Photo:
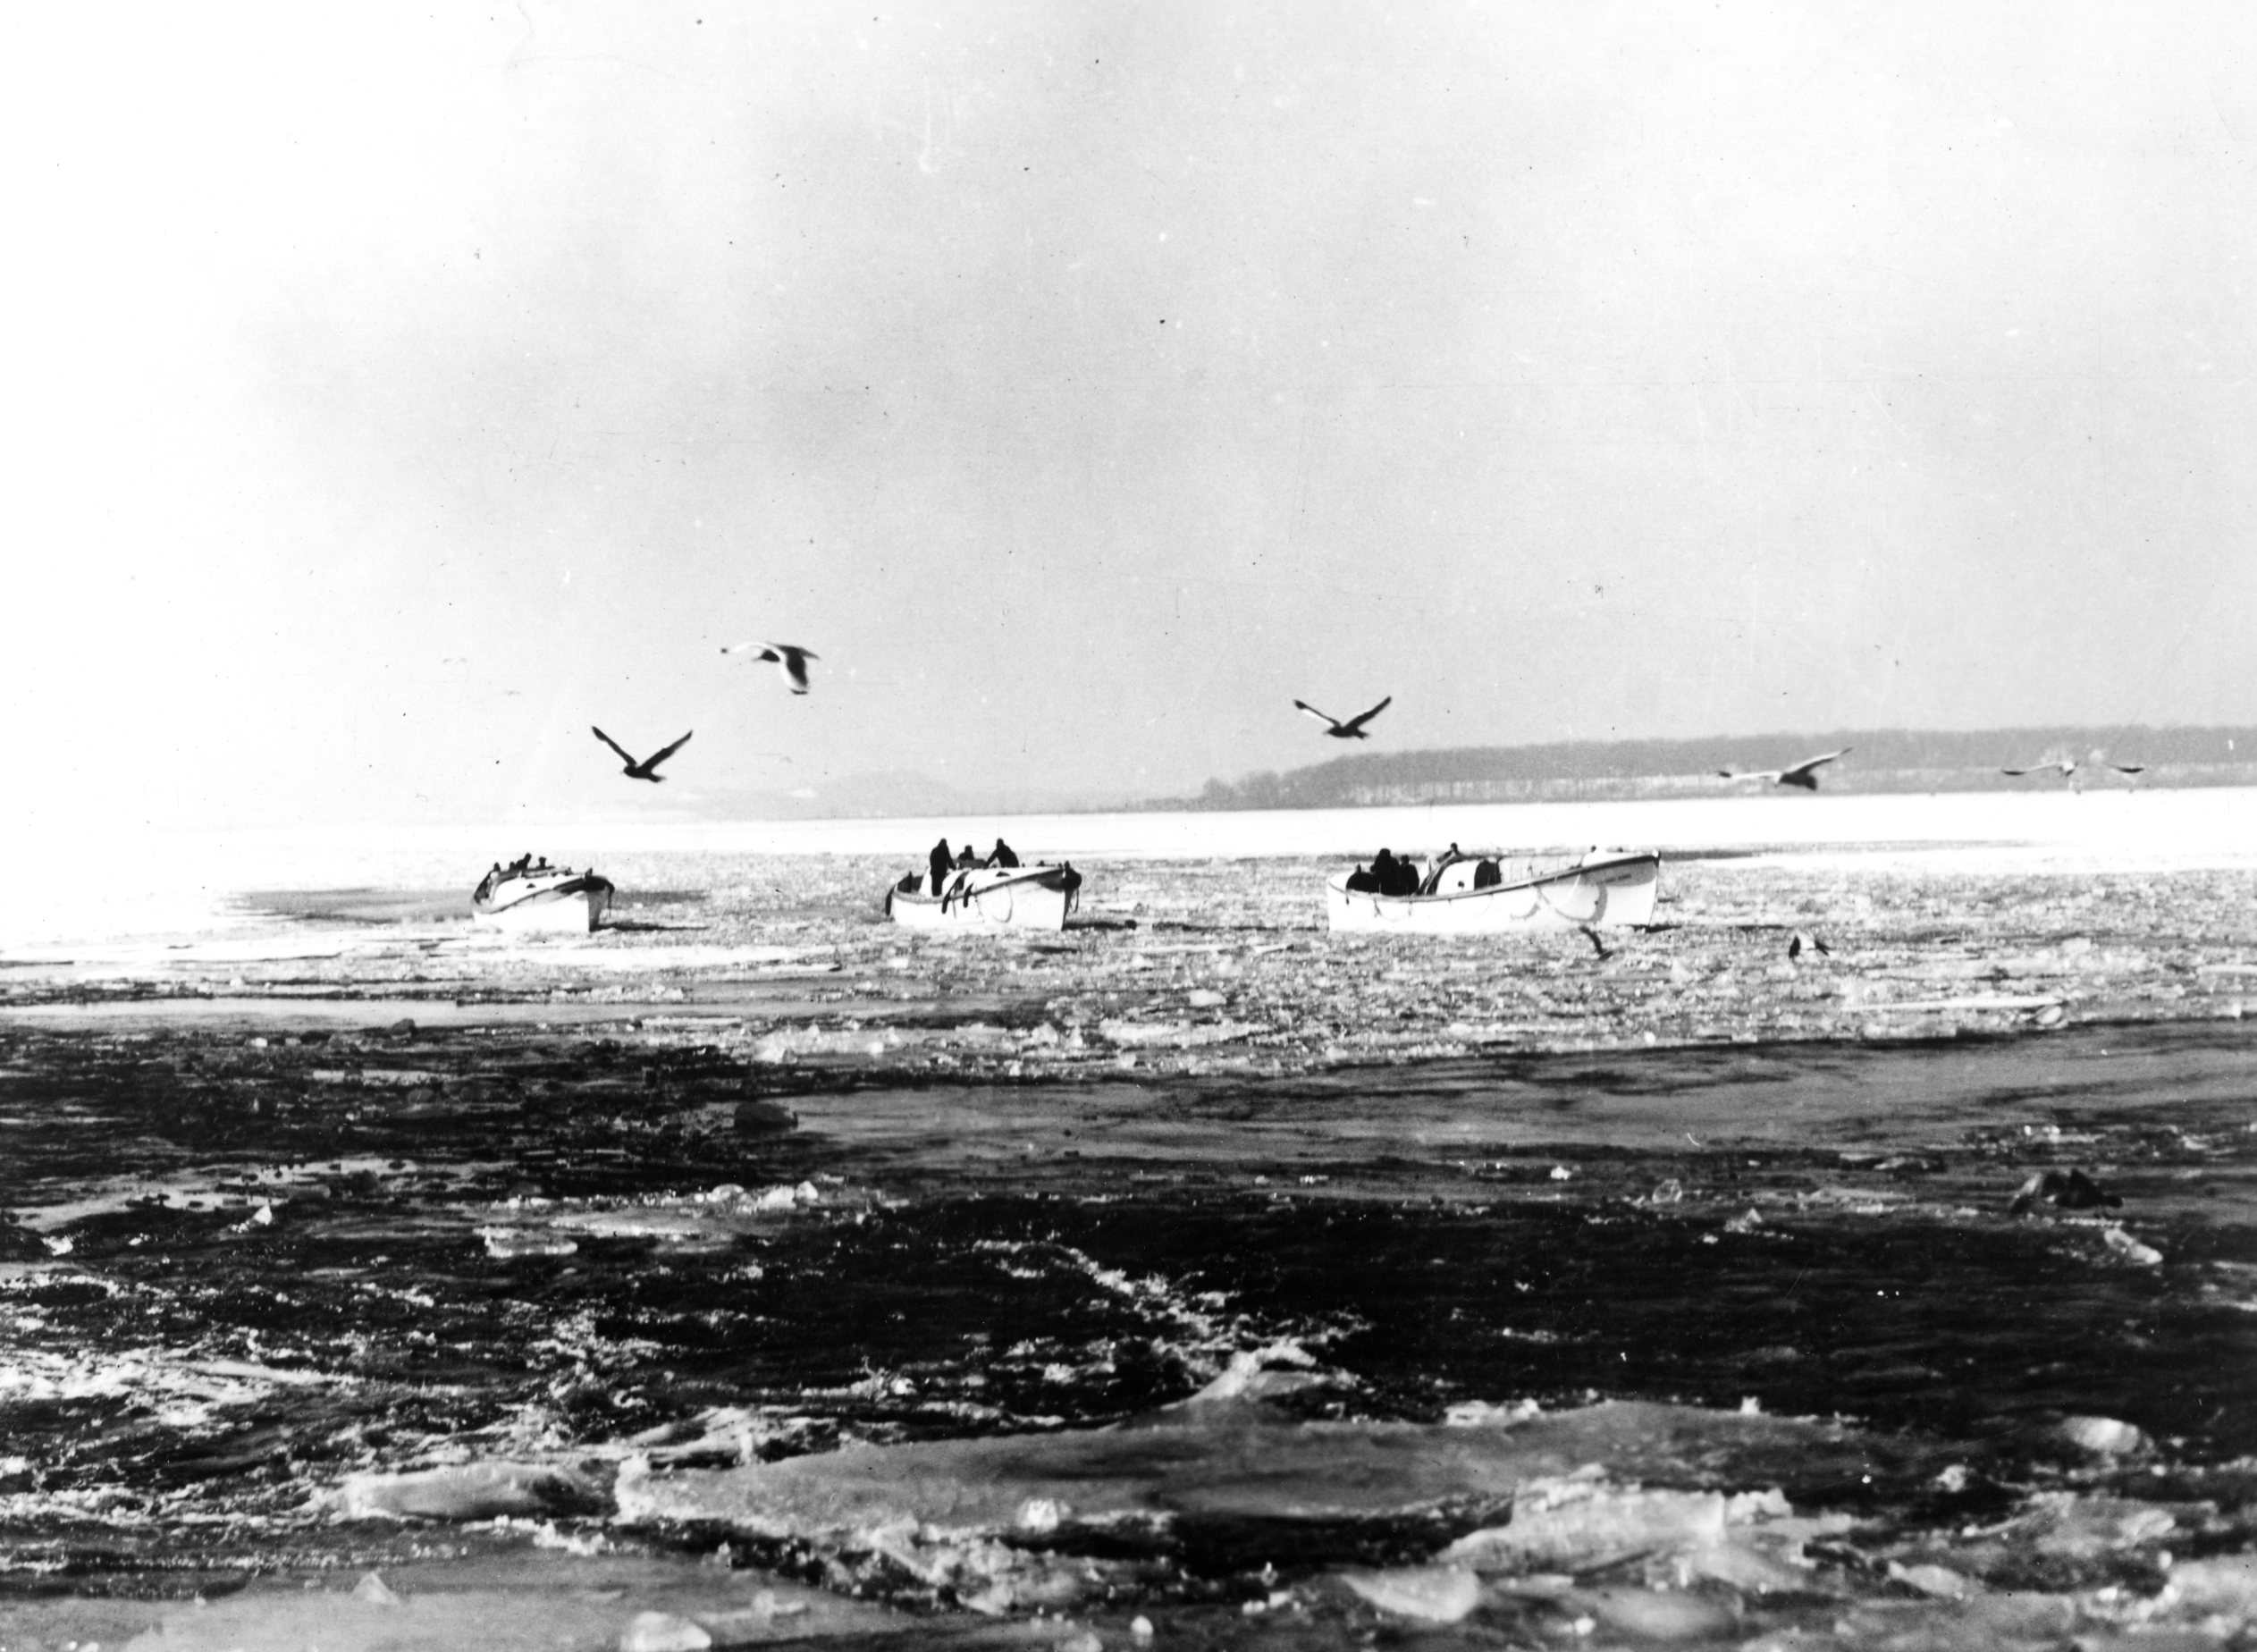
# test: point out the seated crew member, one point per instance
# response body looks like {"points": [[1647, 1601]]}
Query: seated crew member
{"points": [[1362, 883], [940, 863], [1487, 875], [1383, 870], [1001, 855], [966, 859]]}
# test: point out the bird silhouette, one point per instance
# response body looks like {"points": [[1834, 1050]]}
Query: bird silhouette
{"points": [[1804, 774], [787, 657], [1801, 938], [2067, 767], [647, 769], [1353, 729]]}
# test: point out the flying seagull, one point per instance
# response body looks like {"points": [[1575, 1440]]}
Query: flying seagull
{"points": [[646, 769], [1353, 729], [1804, 774], [791, 660], [2066, 768]]}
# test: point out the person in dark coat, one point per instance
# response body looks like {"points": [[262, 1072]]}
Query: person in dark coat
{"points": [[1001, 855], [1396, 877], [941, 863], [967, 858], [1362, 883], [1487, 874]]}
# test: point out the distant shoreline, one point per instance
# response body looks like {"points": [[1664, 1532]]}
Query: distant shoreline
{"points": [[1633, 788], [1874, 761]]}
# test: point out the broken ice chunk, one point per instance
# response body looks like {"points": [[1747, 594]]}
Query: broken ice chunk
{"points": [[374, 1590], [2131, 1249], [1567, 1527], [2104, 1437], [471, 1491], [1436, 1594], [1940, 1581], [1658, 1615], [662, 1631]]}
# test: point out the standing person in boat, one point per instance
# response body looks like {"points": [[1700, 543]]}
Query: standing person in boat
{"points": [[1395, 877], [941, 863], [1001, 855], [1433, 879]]}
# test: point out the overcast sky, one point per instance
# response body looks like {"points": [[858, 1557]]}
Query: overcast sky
{"points": [[394, 396]]}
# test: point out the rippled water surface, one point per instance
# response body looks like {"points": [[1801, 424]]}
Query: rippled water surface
{"points": [[1190, 1278]]}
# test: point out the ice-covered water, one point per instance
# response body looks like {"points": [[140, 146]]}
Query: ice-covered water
{"points": [[94, 882], [1191, 1268]]}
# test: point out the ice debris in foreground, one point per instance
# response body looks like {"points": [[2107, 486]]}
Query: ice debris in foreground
{"points": [[1622, 1519], [1037, 1522]]}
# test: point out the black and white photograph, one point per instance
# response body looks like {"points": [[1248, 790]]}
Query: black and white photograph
{"points": [[1130, 827]]}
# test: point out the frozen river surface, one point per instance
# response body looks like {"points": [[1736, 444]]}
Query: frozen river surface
{"points": [[753, 1271]]}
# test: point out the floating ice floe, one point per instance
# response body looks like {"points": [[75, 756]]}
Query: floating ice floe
{"points": [[470, 1491], [953, 1511], [791, 1043], [521, 1603], [1174, 1035], [2130, 1249], [549, 1227], [1436, 1594]]}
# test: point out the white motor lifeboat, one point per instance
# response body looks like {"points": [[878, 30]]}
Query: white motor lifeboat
{"points": [[541, 897], [1607, 889], [1040, 897]]}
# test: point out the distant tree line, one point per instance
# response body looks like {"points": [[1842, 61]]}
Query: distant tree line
{"points": [[1880, 760]]}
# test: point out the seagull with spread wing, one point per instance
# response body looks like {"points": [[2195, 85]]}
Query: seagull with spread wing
{"points": [[2067, 767], [1804, 774], [1353, 729], [646, 769], [787, 657]]}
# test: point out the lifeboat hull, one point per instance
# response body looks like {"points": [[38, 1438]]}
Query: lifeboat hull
{"points": [[562, 902], [1021, 897], [1614, 891]]}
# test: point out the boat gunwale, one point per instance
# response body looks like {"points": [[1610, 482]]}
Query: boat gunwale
{"points": [[579, 884], [952, 896], [1338, 881]]}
